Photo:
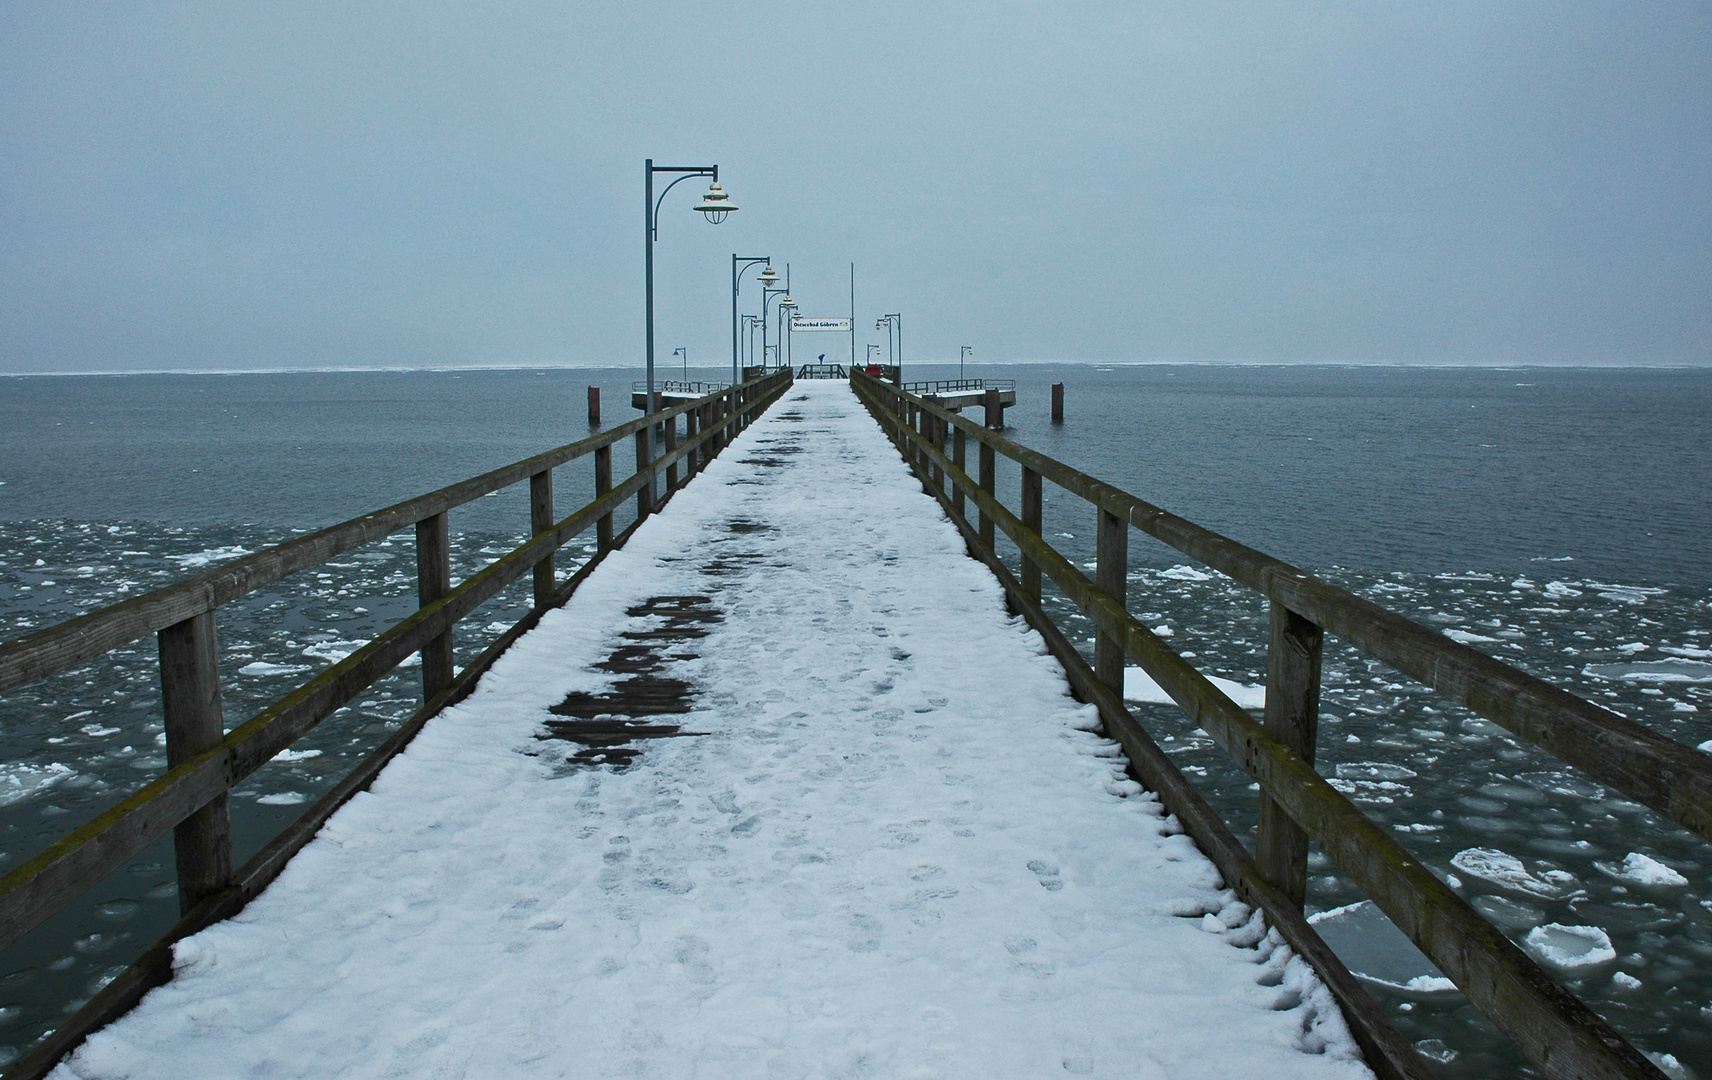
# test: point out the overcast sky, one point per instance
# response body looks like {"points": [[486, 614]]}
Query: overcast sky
{"points": [[358, 183]]}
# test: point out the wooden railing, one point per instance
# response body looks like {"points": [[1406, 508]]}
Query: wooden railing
{"points": [[1551, 1027], [204, 762], [956, 386], [820, 371]]}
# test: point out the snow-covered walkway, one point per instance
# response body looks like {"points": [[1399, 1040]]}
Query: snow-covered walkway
{"points": [[895, 851]]}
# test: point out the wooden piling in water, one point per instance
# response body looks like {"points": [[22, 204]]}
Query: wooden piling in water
{"points": [[1057, 403], [594, 406], [995, 411]]}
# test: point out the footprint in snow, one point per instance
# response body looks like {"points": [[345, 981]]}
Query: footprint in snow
{"points": [[1047, 873]]}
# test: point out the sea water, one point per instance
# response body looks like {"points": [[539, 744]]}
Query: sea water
{"points": [[1554, 518]]}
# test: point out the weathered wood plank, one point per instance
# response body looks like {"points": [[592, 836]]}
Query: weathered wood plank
{"points": [[540, 520], [434, 580], [195, 722], [1292, 718]]}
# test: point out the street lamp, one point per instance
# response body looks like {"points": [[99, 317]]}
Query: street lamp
{"points": [[962, 356], [768, 279], [787, 311], [750, 322], [873, 348], [716, 205], [737, 277], [891, 323], [685, 353]]}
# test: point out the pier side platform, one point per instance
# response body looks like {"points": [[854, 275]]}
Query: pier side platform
{"points": [[782, 791]]}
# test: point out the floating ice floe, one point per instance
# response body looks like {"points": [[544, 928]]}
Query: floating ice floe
{"points": [[20, 781], [1504, 870], [1139, 686], [1463, 637], [1625, 594], [333, 651], [1377, 951], [283, 798], [262, 667], [1374, 770], [1184, 573], [1643, 870], [1562, 783], [1675, 670], [205, 558], [96, 731], [1570, 948]]}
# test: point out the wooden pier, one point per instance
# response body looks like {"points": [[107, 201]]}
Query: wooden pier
{"points": [[682, 615]]}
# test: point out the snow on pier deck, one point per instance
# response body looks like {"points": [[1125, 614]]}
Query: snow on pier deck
{"points": [[879, 843]]}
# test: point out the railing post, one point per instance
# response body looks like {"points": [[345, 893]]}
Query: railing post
{"points": [[959, 458], [936, 439], [1112, 573], [1030, 521], [671, 444], [989, 470], [1293, 718], [540, 520], [644, 497], [195, 722], [690, 429], [602, 485], [434, 580]]}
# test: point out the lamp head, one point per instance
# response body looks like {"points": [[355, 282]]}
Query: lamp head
{"points": [[767, 278], [716, 204]]}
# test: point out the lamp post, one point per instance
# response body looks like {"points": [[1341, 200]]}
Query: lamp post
{"points": [[767, 296], [685, 353], [737, 272], [873, 348], [891, 323], [767, 293], [962, 356], [787, 312], [750, 322], [715, 206]]}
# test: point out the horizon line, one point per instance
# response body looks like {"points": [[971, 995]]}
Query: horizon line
{"points": [[1488, 365]]}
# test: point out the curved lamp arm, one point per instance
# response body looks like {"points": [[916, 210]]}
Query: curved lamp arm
{"points": [[654, 221]]}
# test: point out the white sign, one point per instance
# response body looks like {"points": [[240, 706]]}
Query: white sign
{"points": [[801, 325]]}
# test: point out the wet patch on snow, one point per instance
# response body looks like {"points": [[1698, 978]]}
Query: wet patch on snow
{"points": [[609, 725]]}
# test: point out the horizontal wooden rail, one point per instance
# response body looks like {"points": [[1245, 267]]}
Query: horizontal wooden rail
{"points": [[41, 885], [1554, 1029], [52, 649]]}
